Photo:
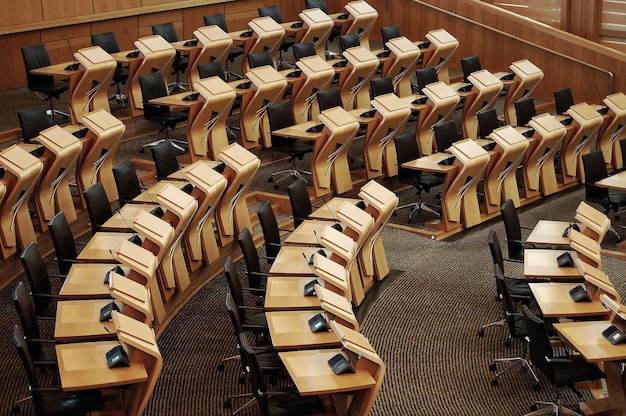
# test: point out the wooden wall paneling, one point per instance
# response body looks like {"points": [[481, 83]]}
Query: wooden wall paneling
{"points": [[239, 13], [147, 20], [59, 9], [56, 40], [194, 18], [120, 27], [102, 6], [18, 12], [13, 71], [156, 2], [289, 9]]}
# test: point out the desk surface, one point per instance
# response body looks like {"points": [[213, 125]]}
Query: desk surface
{"points": [[430, 163], [287, 293], [86, 280], [290, 330], [542, 263], [293, 261], [617, 181], [150, 194], [83, 366], [79, 320], [311, 373], [555, 301], [549, 233], [586, 337], [122, 220], [101, 246], [307, 233], [328, 211]]}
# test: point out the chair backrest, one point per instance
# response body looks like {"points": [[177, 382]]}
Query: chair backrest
{"points": [[165, 160], [512, 317], [300, 202], [525, 111], [406, 149], [316, 4], [622, 148], [255, 375], [211, 69], [539, 347], [29, 366], [279, 116], [37, 276], [126, 181], [98, 206], [470, 64], [63, 242], [166, 30], [595, 169], [348, 41], [106, 40], [495, 249], [33, 121], [234, 284], [36, 56], [153, 86], [380, 86], [388, 33], [512, 229], [426, 76], [25, 309], [271, 232], [216, 19], [487, 122], [271, 11], [258, 59], [250, 257], [302, 50], [563, 100], [329, 98], [445, 135]]}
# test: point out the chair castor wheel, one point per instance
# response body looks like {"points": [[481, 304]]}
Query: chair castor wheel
{"points": [[220, 367], [227, 404], [494, 382], [536, 387], [481, 333], [492, 367], [507, 343]]}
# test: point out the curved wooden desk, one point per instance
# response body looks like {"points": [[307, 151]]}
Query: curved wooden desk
{"points": [[612, 130], [441, 103], [316, 75], [527, 77], [354, 80], [316, 26], [91, 92], [442, 46], [361, 20], [267, 36], [583, 132], [214, 45], [485, 89], [404, 55]]}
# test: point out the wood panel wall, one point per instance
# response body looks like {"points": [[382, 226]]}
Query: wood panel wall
{"points": [[497, 36]]}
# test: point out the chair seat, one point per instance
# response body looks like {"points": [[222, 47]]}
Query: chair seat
{"points": [[169, 118], [53, 89], [618, 199], [422, 180], [120, 75], [70, 403], [295, 148], [253, 318], [292, 404], [573, 370], [518, 288], [234, 53]]}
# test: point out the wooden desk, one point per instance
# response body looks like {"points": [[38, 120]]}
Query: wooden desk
{"points": [[290, 330], [555, 301], [316, 27], [84, 366], [616, 182], [361, 20], [86, 280], [612, 129], [527, 77], [404, 55], [291, 261], [442, 101], [442, 46], [486, 87], [328, 211], [79, 320], [100, 246], [307, 233], [587, 338], [542, 263], [583, 131], [122, 220], [355, 78], [287, 293], [150, 194], [312, 375], [549, 233]]}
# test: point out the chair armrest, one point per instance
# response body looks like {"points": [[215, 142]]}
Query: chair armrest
{"points": [[254, 291], [43, 341], [251, 308]]}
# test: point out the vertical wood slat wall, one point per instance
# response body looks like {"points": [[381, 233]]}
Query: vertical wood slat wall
{"points": [[415, 18]]}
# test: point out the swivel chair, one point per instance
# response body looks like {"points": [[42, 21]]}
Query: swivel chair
{"points": [[44, 300], [126, 182], [525, 111], [388, 33], [381, 86], [288, 41], [470, 64], [36, 56], [98, 206], [108, 42], [446, 135], [300, 202], [252, 318], [165, 160], [425, 76], [488, 121], [514, 241], [271, 231], [33, 121], [234, 52], [256, 278], [302, 50], [407, 150], [168, 32], [563, 100], [211, 69], [595, 170]]}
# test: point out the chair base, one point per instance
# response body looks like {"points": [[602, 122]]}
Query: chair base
{"points": [[284, 174], [514, 362], [179, 145], [52, 112], [176, 87], [121, 99], [420, 206], [551, 407], [481, 331]]}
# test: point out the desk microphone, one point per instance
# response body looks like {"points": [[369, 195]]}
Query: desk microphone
{"points": [[309, 288], [188, 187], [136, 239], [157, 211], [337, 226], [135, 53], [117, 269], [74, 66], [117, 356]]}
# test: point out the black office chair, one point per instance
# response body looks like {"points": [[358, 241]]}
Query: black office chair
{"points": [[126, 182], [288, 41], [153, 86], [561, 371], [406, 150], [165, 161], [42, 350], [488, 121], [168, 32], [321, 4], [446, 135], [424, 77], [388, 33], [348, 41], [525, 111], [516, 326], [44, 300], [275, 402], [381, 86], [256, 60], [108, 42], [63, 241], [470, 64], [622, 148], [211, 69], [594, 169], [256, 278], [329, 98], [514, 240], [252, 318], [98, 206], [302, 50], [563, 100], [36, 56], [271, 231], [280, 116], [300, 202], [51, 400], [235, 51], [33, 121]]}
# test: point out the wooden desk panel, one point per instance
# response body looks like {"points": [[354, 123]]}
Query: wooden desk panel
{"points": [[101, 245], [542, 263], [307, 233], [555, 301], [290, 330], [86, 280], [293, 261], [617, 181], [79, 320], [549, 233], [287, 293]]}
